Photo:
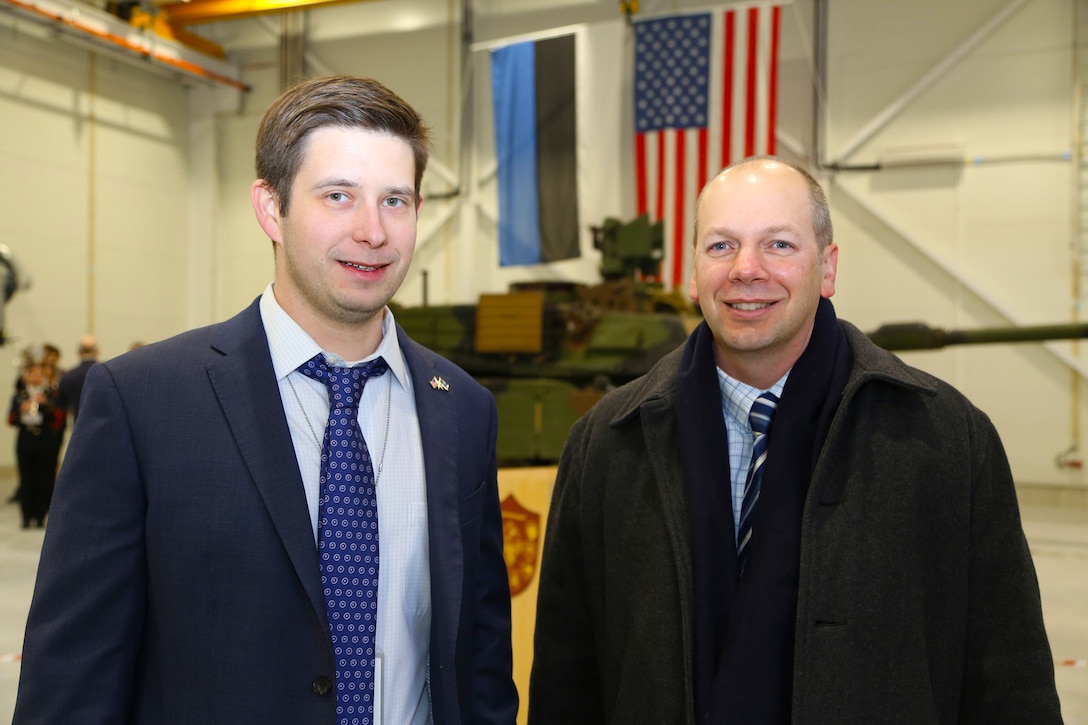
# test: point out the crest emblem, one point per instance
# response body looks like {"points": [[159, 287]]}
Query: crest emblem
{"points": [[521, 543]]}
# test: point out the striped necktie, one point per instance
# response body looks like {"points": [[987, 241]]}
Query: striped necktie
{"points": [[760, 420]]}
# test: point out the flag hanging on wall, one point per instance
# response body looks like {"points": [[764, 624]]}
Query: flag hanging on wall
{"points": [[532, 88], [705, 94]]}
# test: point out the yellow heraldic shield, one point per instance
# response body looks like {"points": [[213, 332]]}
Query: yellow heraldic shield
{"points": [[521, 543]]}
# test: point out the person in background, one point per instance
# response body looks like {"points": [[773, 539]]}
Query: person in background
{"points": [[782, 522], [230, 498], [40, 419], [71, 382], [51, 369], [47, 358]]}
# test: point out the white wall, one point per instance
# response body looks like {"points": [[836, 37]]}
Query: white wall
{"points": [[985, 244], [159, 192], [93, 201]]}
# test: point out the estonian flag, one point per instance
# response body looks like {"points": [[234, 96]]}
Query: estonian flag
{"points": [[532, 87]]}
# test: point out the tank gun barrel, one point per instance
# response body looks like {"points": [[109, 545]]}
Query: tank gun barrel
{"points": [[919, 336]]}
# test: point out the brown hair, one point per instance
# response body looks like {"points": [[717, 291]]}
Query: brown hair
{"points": [[343, 101]]}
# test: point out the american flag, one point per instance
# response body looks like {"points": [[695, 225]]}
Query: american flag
{"points": [[705, 92]]}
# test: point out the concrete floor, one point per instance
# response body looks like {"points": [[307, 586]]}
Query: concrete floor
{"points": [[1056, 525]]}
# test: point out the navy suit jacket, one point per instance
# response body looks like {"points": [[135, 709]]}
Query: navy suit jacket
{"points": [[179, 579]]}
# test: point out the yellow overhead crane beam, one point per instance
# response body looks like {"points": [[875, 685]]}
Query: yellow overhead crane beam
{"points": [[208, 11], [168, 20], [161, 25]]}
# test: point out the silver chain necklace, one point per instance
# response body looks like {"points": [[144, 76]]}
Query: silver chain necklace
{"points": [[388, 412]]}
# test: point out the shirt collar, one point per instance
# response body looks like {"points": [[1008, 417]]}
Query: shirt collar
{"points": [[738, 397], [291, 346]]}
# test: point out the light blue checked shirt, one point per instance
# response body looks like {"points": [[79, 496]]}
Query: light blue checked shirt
{"points": [[737, 400]]}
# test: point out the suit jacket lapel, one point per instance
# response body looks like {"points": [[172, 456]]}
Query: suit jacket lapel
{"points": [[438, 428], [245, 383]]}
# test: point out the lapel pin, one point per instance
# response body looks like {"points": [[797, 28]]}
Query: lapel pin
{"points": [[439, 384]]}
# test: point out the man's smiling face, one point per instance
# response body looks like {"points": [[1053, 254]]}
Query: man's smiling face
{"points": [[345, 245], [759, 271]]}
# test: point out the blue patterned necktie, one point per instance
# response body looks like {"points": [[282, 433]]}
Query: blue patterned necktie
{"points": [[348, 537], [760, 420]]}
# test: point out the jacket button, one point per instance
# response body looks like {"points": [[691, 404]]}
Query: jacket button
{"points": [[323, 685]]}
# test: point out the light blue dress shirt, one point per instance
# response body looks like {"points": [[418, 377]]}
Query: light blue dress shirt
{"points": [[404, 579]]}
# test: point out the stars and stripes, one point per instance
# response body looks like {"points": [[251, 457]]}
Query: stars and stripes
{"points": [[704, 95]]}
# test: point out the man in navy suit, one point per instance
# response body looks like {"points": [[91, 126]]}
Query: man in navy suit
{"points": [[180, 579]]}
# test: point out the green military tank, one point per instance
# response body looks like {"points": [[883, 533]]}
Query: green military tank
{"points": [[549, 350]]}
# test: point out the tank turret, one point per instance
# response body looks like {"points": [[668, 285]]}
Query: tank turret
{"points": [[549, 350]]}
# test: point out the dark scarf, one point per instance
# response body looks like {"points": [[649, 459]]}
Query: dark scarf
{"points": [[744, 628]]}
